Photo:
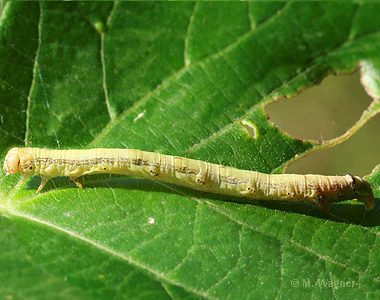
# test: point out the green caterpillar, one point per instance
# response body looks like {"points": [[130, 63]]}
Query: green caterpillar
{"points": [[199, 175]]}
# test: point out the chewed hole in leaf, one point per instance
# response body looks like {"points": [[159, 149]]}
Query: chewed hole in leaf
{"points": [[321, 112], [358, 155], [325, 112]]}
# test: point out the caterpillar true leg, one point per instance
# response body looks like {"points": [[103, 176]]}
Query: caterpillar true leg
{"points": [[22, 181], [75, 180], [44, 180]]}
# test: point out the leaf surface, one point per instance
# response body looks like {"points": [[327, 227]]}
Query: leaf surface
{"points": [[187, 79]]}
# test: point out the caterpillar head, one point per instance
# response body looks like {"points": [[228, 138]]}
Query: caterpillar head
{"points": [[12, 161], [18, 160]]}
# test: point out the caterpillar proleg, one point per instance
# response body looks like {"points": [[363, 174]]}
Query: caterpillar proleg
{"points": [[199, 175]]}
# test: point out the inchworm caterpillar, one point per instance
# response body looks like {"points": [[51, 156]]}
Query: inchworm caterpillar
{"points": [[203, 176]]}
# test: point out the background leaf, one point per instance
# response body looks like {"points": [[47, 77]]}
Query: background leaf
{"points": [[188, 79]]}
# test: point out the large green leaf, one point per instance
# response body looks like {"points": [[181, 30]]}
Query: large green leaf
{"points": [[188, 79]]}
